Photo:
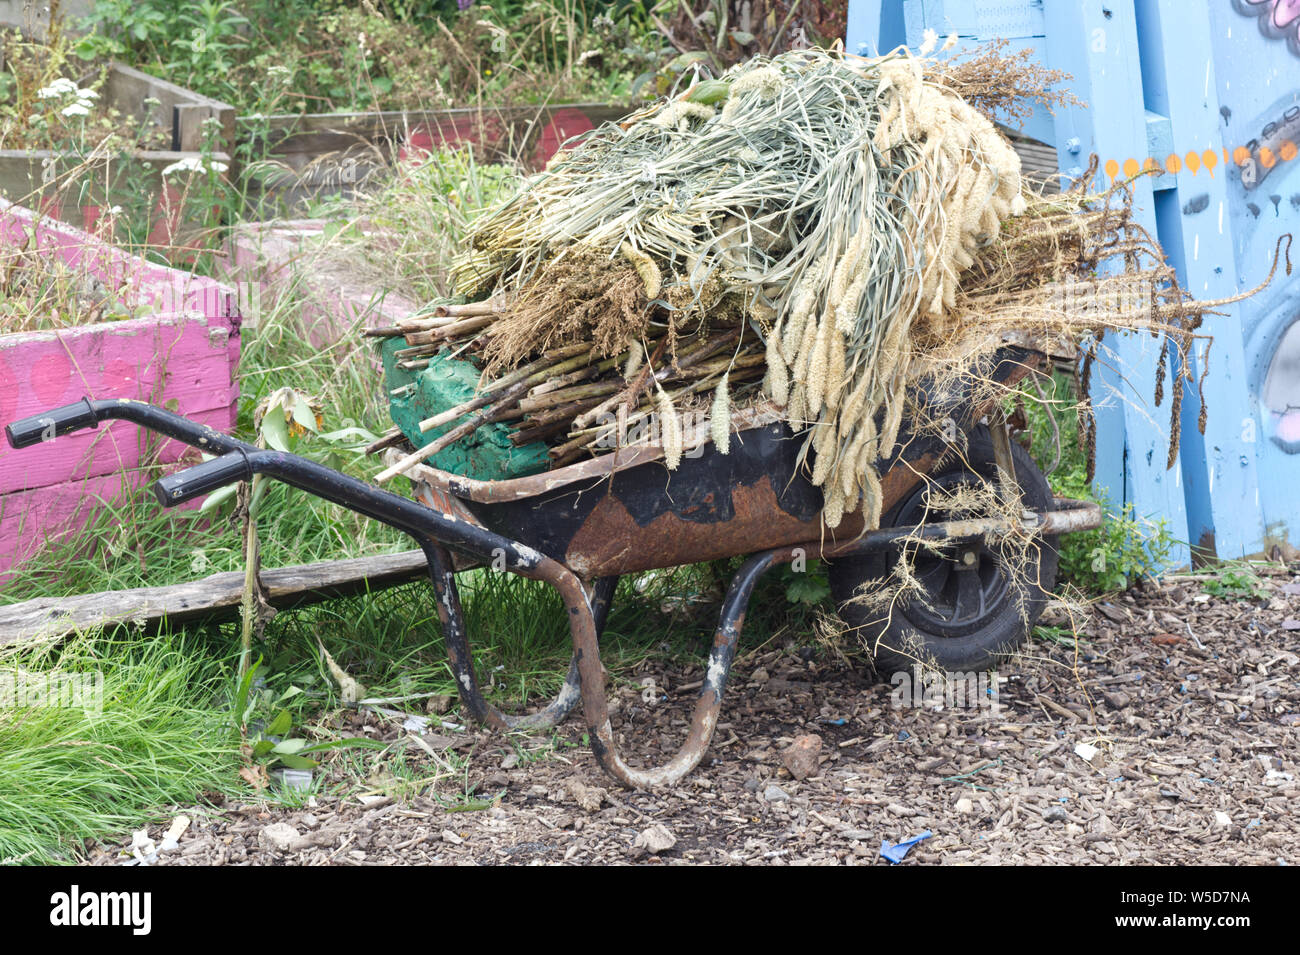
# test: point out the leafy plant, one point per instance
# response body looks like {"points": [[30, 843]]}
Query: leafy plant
{"points": [[1235, 582], [807, 588], [118, 28], [269, 745], [1127, 546], [402, 54], [1124, 549]]}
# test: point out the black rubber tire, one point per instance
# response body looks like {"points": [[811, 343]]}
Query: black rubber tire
{"points": [[1010, 598]]}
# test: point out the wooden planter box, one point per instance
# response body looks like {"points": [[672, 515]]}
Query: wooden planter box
{"points": [[328, 153], [35, 176], [183, 355]]}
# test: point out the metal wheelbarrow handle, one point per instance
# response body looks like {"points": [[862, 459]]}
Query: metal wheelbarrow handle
{"points": [[434, 532]]}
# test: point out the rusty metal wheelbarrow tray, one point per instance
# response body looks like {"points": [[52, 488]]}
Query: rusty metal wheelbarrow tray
{"points": [[579, 528]]}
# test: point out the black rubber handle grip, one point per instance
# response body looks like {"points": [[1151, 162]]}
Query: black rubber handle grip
{"points": [[202, 479], [25, 432]]}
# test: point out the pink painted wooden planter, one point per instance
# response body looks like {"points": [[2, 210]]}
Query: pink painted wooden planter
{"points": [[183, 354]]}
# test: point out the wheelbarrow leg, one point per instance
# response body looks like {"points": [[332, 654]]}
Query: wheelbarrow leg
{"points": [[452, 618], [704, 720]]}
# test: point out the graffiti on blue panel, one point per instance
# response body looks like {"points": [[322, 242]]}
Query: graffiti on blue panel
{"points": [[1262, 208], [1279, 19], [1260, 106], [1272, 148]]}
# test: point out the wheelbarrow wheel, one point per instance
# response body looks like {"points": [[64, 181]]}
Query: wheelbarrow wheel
{"points": [[975, 601]]}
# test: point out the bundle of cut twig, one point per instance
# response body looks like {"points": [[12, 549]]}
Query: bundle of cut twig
{"points": [[568, 397]]}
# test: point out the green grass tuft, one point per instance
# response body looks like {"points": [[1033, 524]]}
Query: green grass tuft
{"points": [[160, 739]]}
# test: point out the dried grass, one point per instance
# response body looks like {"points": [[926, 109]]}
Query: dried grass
{"points": [[862, 216]]}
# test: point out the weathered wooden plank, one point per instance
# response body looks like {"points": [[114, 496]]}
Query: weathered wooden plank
{"points": [[513, 131], [337, 152], [32, 520], [215, 596], [393, 122], [33, 19], [175, 109], [1132, 434], [42, 178], [189, 132], [165, 290], [186, 359]]}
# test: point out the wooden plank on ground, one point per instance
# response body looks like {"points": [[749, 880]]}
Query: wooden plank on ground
{"points": [[212, 597]]}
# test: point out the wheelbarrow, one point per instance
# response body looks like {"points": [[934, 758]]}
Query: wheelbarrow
{"points": [[581, 527]]}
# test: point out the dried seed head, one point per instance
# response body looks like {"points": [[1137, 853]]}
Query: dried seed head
{"points": [[646, 268], [670, 429], [833, 509], [817, 366], [720, 418], [635, 358]]}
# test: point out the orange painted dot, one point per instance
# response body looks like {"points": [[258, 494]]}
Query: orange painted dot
{"points": [[1150, 165], [1266, 157], [1287, 150], [1194, 162], [1241, 155], [1211, 159], [1173, 163], [1112, 169], [1131, 168]]}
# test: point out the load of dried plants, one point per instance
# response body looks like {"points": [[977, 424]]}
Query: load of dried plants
{"points": [[812, 233]]}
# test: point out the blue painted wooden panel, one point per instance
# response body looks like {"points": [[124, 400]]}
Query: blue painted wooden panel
{"points": [[1020, 22], [1217, 85], [874, 27], [1096, 42], [1220, 477], [1252, 80]]}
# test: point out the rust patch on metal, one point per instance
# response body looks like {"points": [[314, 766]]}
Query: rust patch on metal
{"points": [[611, 541], [902, 477]]}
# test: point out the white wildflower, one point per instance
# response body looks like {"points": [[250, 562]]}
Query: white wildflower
{"points": [[87, 94], [188, 164], [929, 40], [75, 109], [60, 87], [194, 164]]}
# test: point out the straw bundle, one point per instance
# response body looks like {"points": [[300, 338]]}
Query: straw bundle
{"points": [[828, 224]]}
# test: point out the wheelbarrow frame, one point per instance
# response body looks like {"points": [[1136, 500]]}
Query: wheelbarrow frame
{"points": [[450, 519]]}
